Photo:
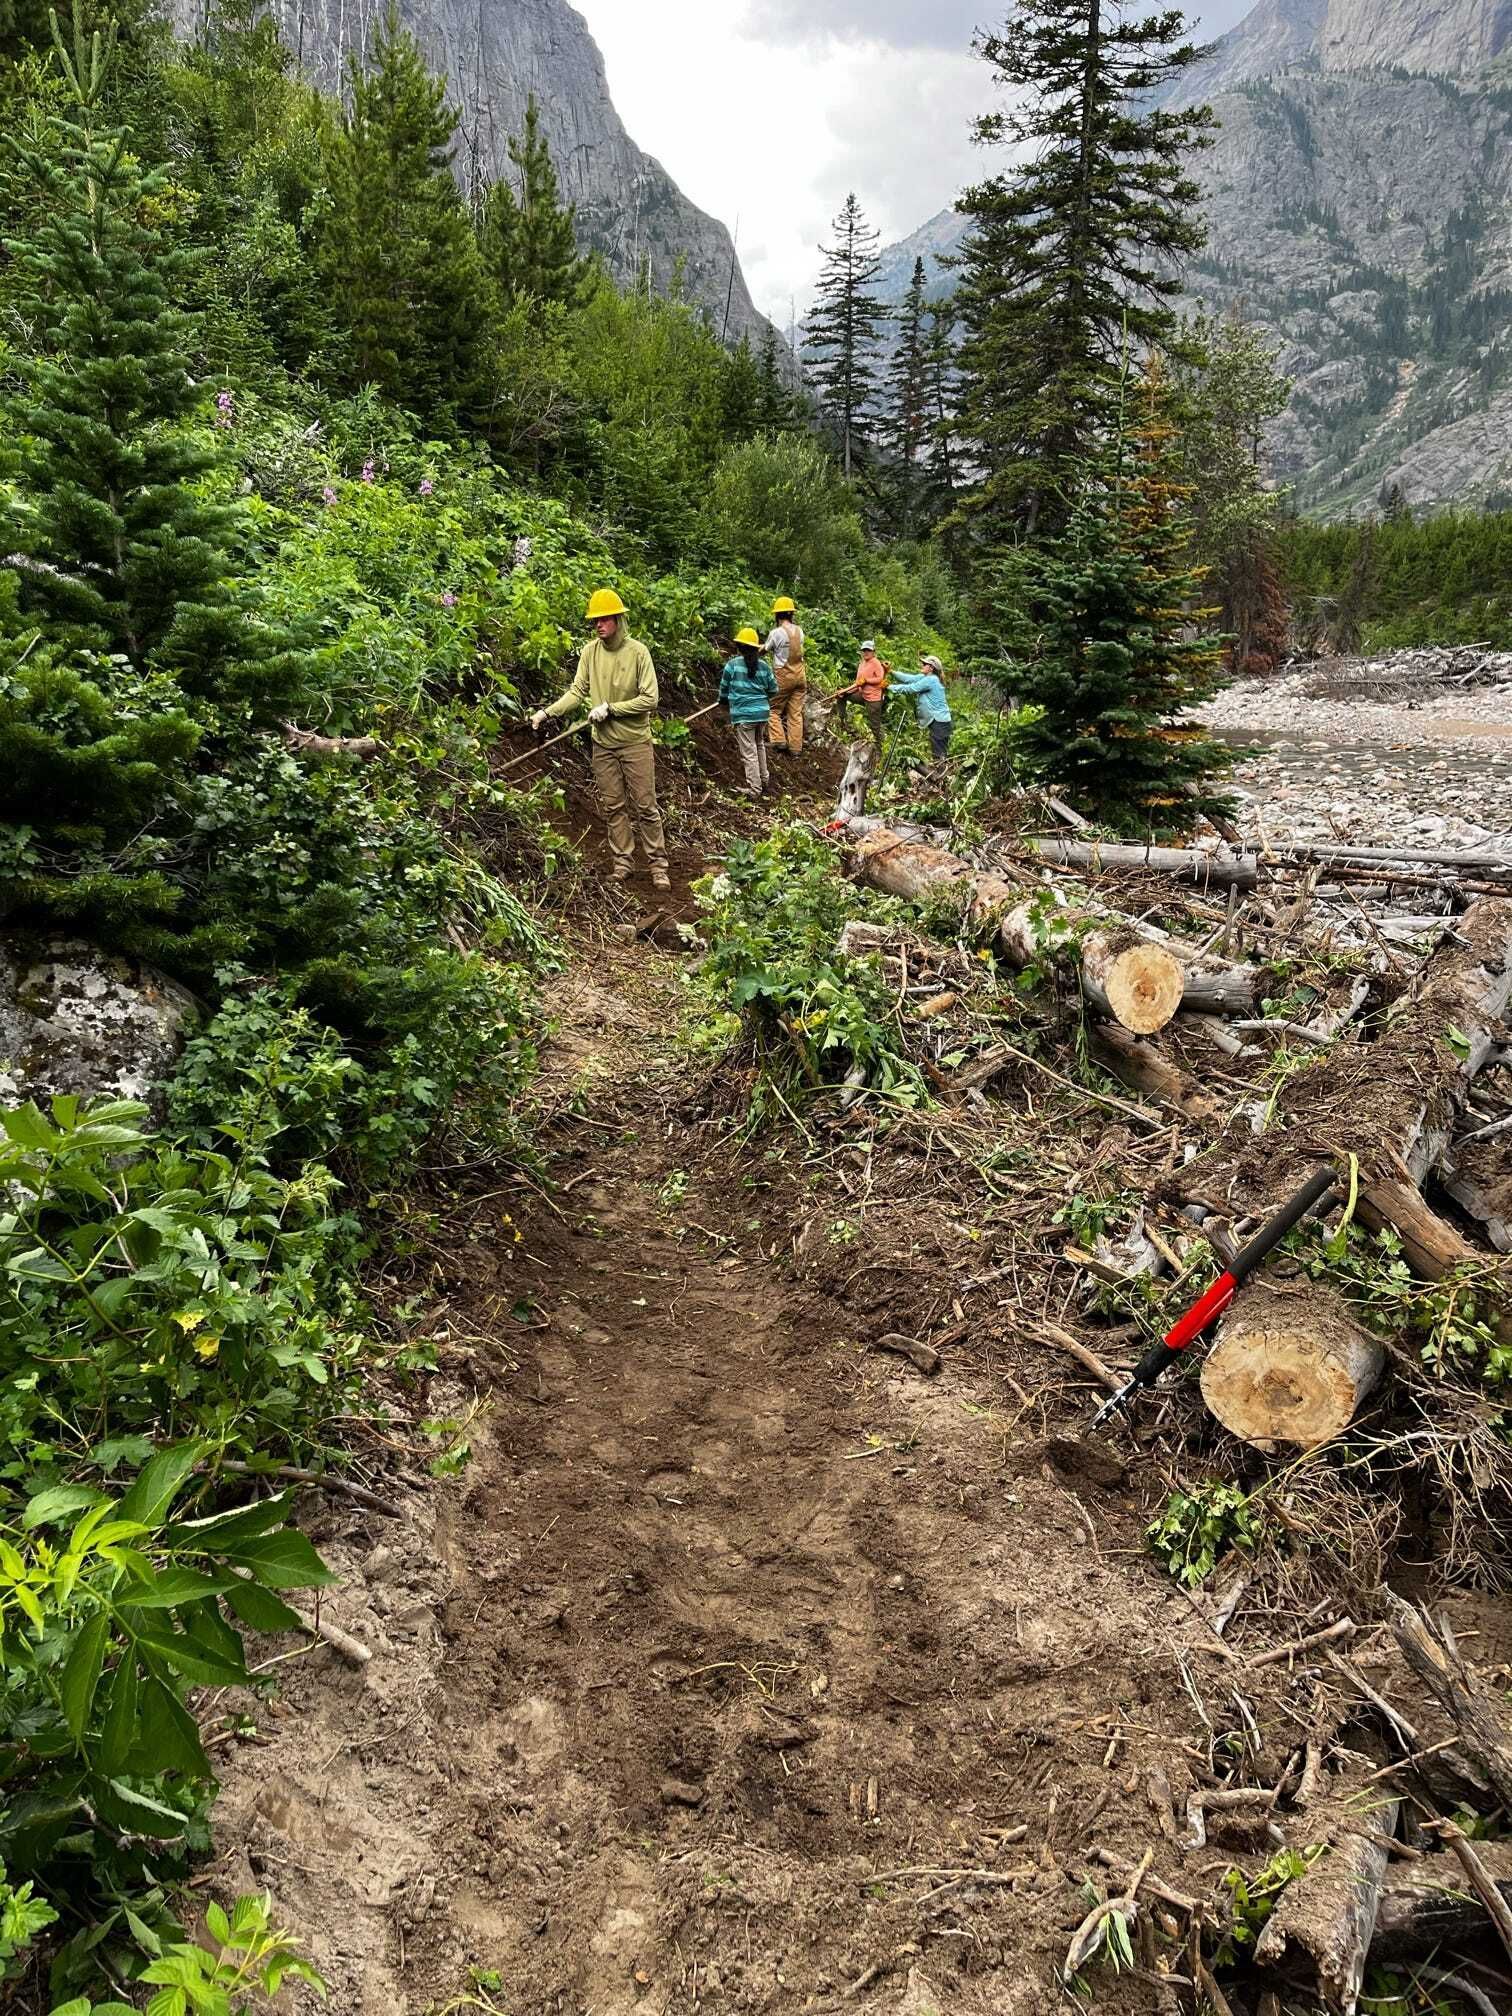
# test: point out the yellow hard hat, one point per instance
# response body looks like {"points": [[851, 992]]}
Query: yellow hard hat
{"points": [[784, 606], [604, 602], [748, 636]]}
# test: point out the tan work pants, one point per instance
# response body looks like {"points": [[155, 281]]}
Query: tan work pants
{"points": [[625, 780], [786, 730], [751, 741]]}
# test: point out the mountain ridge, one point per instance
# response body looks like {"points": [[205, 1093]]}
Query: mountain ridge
{"points": [[493, 55]]}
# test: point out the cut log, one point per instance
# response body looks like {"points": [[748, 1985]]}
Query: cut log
{"points": [[1326, 1919], [1290, 1365], [1483, 1722], [1215, 870], [1131, 974], [1432, 1904], [860, 766], [305, 742], [1127, 979], [1148, 1070]]}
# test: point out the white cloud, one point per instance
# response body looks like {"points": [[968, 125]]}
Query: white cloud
{"points": [[768, 112]]}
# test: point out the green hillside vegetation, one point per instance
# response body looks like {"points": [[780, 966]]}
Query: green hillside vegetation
{"points": [[290, 449]]}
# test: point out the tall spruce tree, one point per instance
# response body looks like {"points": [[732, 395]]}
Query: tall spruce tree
{"points": [[776, 407], [400, 256], [1110, 614], [844, 334], [1075, 250], [941, 376], [528, 234], [908, 405]]}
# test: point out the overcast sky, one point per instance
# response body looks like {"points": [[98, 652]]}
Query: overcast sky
{"points": [[766, 112]]}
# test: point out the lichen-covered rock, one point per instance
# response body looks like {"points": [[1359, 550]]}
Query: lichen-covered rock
{"points": [[75, 1019]]}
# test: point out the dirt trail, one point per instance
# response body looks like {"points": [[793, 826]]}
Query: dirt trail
{"points": [[737, 1645]]}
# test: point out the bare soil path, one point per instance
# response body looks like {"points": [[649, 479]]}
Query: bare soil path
{"points": [[743, 1668]]}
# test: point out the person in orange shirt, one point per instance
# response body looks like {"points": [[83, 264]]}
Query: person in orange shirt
{"points": [[869, 687]]}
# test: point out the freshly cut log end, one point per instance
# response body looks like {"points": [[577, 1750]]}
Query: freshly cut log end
{"points": [[1290, 1368], [1142, 984]]}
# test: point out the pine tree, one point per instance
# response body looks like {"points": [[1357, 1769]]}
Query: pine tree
{"points": [[740, 393], [402, 262], [941, 373], [527, 234], [844, 334], [776, 407], [1113, 609], [1075, 251], [909, 415]]}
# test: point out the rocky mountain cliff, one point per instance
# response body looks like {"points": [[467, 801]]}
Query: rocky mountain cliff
{"points": [[494, 54], [1359, 203]]}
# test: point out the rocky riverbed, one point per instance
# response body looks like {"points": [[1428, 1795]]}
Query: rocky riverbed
{"points": [[1430, 769]]}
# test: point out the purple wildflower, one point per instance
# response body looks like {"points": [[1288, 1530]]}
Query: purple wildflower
{"points": [[448, 600], [427, 488], [367, 470], [328, 494], [224, 413]]}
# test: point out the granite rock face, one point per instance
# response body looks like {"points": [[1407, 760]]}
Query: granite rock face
{"points": [[75, 1019], [494, 54], [1359, 205]]}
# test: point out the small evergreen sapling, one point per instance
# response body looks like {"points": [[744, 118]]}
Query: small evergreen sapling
{"points": [[1115, 609]]}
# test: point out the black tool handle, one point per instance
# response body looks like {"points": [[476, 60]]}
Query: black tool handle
{"points": [[1270, 1235]]}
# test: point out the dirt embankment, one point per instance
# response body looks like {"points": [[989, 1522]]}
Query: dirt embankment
{"points": [[743, 1668]]}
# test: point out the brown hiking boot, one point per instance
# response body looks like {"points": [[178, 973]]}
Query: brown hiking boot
{"points": [[660, 879], [619, 872]]}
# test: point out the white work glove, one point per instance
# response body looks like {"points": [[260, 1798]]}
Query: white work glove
{"points": [[538, 720], [599, 713]]}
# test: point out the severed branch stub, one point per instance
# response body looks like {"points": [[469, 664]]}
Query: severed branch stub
{"points": [[305, 742]]}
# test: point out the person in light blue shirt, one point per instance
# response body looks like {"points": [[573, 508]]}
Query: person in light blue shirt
{"points": [[927, 686]]}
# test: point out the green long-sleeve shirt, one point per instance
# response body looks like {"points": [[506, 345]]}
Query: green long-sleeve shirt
{"points": [[620, 673]]}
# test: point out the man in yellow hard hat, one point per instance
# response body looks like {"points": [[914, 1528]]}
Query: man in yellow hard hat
{"points": [[616, 681], [785, 649]]}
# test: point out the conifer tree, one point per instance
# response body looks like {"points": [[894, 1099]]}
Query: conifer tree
{"points": [[1075, 250], [528, 234], [1112, 609], [844, 333], [909, 402], [400, 256], [940, 369], [776, 408]]}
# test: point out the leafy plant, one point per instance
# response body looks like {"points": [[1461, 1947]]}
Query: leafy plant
{"points": [[774, 914], [252, 1955], [1252, 1899], [1454, 1323], [111, 1611], [1198, 1527]]}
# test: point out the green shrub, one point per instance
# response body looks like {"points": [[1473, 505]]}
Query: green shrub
{"points": [[146, 1290], [1198, 1527]]}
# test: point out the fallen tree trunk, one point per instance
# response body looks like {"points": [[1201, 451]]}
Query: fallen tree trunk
{"points": [[1327, 1917], [1131, 975], [1147, 1070], [1290, 1365], [1191, 864], [1483, 1723], [1433, 1905], [1480, 1181]]}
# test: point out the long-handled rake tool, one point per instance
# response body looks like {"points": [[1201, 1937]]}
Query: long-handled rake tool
{"points": [[1201, 1317], [576, 729]]}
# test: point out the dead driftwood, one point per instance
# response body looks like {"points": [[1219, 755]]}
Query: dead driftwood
{"points": [[1432, 1904], [1208, 870], [1290, 1365], [1483, 1723], [860, 766], [1324, 1921], [1132, 975]]}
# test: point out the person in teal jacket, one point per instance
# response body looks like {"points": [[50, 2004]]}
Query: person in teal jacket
{"points": [[747, 688], [927, 686]]}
